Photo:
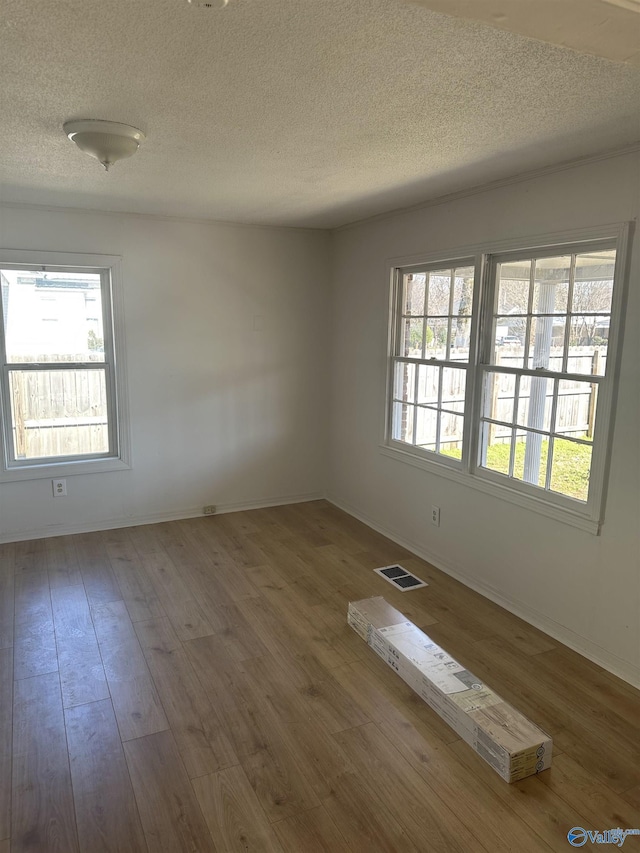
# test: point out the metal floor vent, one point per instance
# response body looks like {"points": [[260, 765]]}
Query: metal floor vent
{"points": [[400, 578]]}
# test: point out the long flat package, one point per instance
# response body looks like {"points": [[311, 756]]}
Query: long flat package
{"points": [[513, 745]]}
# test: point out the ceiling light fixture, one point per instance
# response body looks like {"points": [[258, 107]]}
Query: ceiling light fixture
{"points": [[107, 141], [209, 4]]}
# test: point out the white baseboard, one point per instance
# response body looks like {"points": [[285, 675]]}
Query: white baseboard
{"points": [[153, 518], [624, 669]]}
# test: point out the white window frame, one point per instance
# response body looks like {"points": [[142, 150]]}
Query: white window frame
{"points": [[119, 455], [587, 515]]}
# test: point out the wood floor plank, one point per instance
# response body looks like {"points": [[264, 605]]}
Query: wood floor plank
{"points": [[99, 580], [7, 583], [235, 630], [367, 825], [136, 702], [106, 812], [296, 695], [42, 802], [81, 672], [632, 796], [223, 678], [35, 642], [197, 728], [233, 813], [597, 803], [539, 809], [30, 554], [173, 591], [62, 561], [212, 553], [312, 831], [424, 814], [420, 744], [6, 734], [135, 585], [5, 846], [171, 817], [280, 784], [256, 733]]}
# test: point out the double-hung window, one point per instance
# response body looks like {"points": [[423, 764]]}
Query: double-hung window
{"points": [[60, 393], [502, 369]]}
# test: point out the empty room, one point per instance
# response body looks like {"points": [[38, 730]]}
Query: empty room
{"points": [[319, 426]]}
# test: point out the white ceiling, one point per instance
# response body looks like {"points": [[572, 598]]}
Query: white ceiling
{"points": [[608, 28], [291, 112]]}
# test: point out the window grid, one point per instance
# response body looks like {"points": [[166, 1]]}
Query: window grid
{"points": [[15, 456], [440, 362], [571, 391]]}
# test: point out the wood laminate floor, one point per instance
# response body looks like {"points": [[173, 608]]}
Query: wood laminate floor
{"points": [[193, 686]]}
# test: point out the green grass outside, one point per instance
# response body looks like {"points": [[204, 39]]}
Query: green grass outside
{"points": [[570, 471]]}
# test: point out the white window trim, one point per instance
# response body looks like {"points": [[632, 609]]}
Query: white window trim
{"points": [[589, 516], [66, 468]]}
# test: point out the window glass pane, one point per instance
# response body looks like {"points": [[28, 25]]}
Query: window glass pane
{"points": [[546, 342], [426, 428], [499, 394], [460, 338], [439, 292], [576, 409], [451, 428], [588, 342], [509, 338], [513, 287], [588, 360], [58, 413], [404, 382], [535, 400], [570, 468], [530, 462], [593, 286], [496, 448], [414, 290], [551, 285], [402, 426], [428, 379], [52, 316], [412, 338], [453, 389], [463, 291], [437, 336]]}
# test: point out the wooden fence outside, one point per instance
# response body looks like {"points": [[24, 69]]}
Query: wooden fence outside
{"points": [[59, 412]]}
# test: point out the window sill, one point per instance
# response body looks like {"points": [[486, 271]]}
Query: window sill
{"points": [[46, 471], [505, 493]]}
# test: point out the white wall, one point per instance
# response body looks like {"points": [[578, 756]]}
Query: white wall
{"points": [[583, 589], [222, 412]]}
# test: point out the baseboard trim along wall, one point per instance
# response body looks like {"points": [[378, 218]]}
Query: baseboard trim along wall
{"points": [[154, 518], [612, 663]]}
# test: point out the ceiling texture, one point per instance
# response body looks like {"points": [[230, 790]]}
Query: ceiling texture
{"points": [[310, 113]]}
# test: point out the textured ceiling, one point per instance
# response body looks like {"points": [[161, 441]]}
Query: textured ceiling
{"points": [[293, 112], [600, 27]]}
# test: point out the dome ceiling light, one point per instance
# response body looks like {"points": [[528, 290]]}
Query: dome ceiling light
{"points": [[208, 4], [107, 141]]}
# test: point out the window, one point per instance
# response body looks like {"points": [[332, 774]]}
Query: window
{"points": [[61, 394], [502, 370]]}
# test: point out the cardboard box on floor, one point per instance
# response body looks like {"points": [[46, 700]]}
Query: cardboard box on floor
{"points": [[502, 736]]}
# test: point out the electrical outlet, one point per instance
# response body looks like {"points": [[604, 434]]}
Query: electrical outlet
{"points": [[435, 515], [59, 488], [210, 509]]}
